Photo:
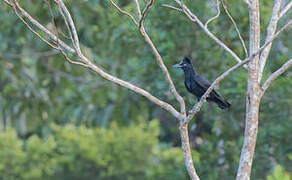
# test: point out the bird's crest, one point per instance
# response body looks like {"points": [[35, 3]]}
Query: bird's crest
{"points": [[187, 60]]}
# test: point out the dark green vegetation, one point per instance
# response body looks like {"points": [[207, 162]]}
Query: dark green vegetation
{"points": [[43, 97]]}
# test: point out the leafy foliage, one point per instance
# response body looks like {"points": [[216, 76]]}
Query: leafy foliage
{"points": [[72, 152]]}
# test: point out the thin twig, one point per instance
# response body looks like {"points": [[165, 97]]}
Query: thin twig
{"points": [[42, 28], [194, 18], [124, 12], [236, 28], [285, 27], [31, 29], [72, 27], [216, 16], [172, 7], [271, 29], [138, 8], [275, 74], [285, 9], [144, 13]]}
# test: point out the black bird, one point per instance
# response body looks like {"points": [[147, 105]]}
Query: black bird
{"points": [[198, 85]]}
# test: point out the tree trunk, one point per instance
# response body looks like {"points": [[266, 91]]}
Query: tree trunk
{"points": [[252, 96], [185, 144]]}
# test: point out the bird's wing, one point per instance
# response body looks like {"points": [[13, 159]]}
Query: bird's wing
{"points": [[206, 84], [203, 82]]}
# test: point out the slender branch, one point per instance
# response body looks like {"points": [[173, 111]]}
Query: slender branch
{"points": [[157, 55], [285, 9], [276, 74], [124, 12], [196, 108], [98, 70], [72, 26], [145, 10], [271, 29], [8, 3], [42, 28], [172, 7], [15, 7], [138, 9], [194, 18], [216, 16], [236, 28], [285, 27]]}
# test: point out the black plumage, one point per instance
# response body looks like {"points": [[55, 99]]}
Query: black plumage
{"points": [[198, 85]]}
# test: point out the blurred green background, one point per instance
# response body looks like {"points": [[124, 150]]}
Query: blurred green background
{"points": [[61, 121]]}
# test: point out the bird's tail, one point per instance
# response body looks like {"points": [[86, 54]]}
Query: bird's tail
{"points": [[222, 103]]}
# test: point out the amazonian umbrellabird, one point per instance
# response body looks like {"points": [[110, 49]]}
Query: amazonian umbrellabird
{"points": [[198, 85]]}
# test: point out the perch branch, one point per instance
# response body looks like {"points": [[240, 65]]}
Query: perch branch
{"points": [[236, 28], [271, 29], [276, 74], [285, 9]]}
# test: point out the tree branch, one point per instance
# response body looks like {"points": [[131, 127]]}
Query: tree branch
{"points": [[194, 18], [42, 28], [157, 55], [145, 10], [285, 27], [271, 29], [216, 16], [124, 12], [236, 28], [172, 7], [285, 9], [97, 69], [276, 74]]}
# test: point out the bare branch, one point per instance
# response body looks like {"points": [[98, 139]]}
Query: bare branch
{"points": [[31, 29], [285, 27], [276, 74], [98, 70], [145, 10], [194, 18], [286, 9], [271, 29], [72, 27], [124, 12], [216, 16], [138, 8], [157, 55], [247, 2], [172, 7], [8, 3], [236, 28], [196, 108], [42, 28]]}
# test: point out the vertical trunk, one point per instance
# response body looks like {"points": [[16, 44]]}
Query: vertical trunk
{"points": [[252, 96], [185, 143]]}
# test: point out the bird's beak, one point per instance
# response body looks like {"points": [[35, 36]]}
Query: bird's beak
{"points": [[177, 66]]}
